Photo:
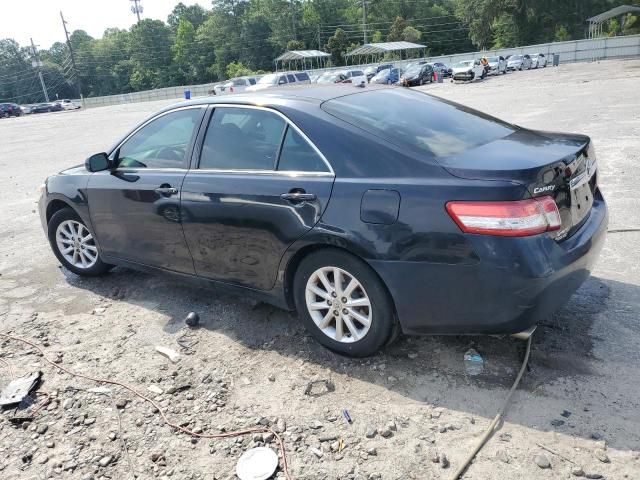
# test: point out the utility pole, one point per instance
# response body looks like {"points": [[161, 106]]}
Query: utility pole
{"points": [[364, 20], [293, 19], [73, 58], [36, 63], [137, 8]]}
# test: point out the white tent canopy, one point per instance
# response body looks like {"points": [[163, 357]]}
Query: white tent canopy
{"points": [[385, 47], [302, 58]]}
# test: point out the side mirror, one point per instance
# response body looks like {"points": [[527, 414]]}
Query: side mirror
{"points": [[97, 162]]}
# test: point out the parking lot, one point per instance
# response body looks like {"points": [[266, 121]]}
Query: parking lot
{"points": [[249, 364]]}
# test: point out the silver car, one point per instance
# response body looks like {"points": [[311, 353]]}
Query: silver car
{"points": [[519, 62], [538, 60], [497, 65]]}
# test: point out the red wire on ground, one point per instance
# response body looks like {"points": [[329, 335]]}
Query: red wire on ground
{"points": [[285, 466]]}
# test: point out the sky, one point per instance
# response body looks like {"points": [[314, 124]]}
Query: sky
{"points": [[40, 19]]}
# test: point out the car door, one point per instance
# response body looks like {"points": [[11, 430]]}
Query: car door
{"points": [[135, 207], [256, 186]]}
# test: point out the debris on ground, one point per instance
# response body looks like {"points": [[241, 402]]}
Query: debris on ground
{"points": [[473, 362], [317, 388], [257, 464], [18, 389], [170, 354], [192, 319]]}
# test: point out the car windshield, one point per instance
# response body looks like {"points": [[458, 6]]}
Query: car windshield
{"points": [[516, 57], [270, 79], [413, 70], [328, 78], [382, 74], [493, 59], [466, 63], [418, 122]]}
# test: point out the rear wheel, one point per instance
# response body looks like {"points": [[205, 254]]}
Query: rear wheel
{"points": [[343, 303], [74, 245]]}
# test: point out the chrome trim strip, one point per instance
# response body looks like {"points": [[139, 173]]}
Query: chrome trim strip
{"points": [[285, 173]]}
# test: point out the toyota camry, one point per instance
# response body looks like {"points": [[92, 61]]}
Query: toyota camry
{"points": [[369, 211]]}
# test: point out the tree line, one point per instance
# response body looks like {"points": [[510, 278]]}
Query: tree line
{"points": [[237, 37]]}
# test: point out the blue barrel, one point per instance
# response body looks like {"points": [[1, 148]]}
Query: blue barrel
{"points": [[187, 94], [440, 77]]}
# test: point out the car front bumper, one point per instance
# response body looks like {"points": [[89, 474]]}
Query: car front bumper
{"points": [[463, 76], [517, 282]]}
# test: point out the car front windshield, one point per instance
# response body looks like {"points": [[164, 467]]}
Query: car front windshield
{"points": [[466, 63], [516, 57], [413, 70], [270, 79], [493, 59]]}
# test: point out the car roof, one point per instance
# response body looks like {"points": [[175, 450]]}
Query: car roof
{"points": [[313, 93]]}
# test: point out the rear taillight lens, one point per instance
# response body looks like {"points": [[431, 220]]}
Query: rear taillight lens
{"points": [[518, 218]]}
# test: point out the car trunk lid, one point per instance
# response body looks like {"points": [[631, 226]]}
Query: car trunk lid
{"points": [[559, 165]]}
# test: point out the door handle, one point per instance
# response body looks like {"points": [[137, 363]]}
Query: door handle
{"points": [[166, 190], [298, 196]]}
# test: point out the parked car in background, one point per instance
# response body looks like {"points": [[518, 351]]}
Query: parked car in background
{"points": [[370, 72], [280, 79], [383, 66], [234, 85], [55, 107], [41, 108], [383, 211], [388, 76], [26, 109], [468, 70], [538, 60], [336, 76], [10, 110], [67, 104], [355, 76], [519, 62], [441, 69], [497, 65], [417, 75]]}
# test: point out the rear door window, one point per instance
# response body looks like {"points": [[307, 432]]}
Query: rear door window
{"points": [[242, 139], [302, 76], [291, 78], [418, 122], [298, 155]]}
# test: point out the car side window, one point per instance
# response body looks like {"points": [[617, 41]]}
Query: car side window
{"points": [[161, 143], [282, 80], [298, 155], [242, 139]]}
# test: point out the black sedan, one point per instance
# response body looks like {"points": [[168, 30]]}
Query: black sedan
{"points": [[41, 108], [417, 75], [369, 211], [10, 110]]}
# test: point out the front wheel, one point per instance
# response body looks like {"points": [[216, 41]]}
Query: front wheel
{"points": [[73, 244], [343, 303]]}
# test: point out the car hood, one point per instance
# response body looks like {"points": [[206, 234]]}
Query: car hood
{"points": [[462, 69], [76, 170]]}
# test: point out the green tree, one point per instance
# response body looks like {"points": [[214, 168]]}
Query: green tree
{"points": [[337, 46], [184, 52], [561, 34], [410, 34], [194, 14], [295, 45], [396, 30], [237, 69], [151, 54]]}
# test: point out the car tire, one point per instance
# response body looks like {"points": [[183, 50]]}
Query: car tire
{"points": [[63, 229], [314, 285]]}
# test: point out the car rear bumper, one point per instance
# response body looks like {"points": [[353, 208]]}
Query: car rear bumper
{"points": [[517, 282]]}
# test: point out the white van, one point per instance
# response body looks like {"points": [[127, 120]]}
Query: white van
{"points": [[280, 79]]}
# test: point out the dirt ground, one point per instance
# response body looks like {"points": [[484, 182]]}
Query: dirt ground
{"points": [[249, 364]]}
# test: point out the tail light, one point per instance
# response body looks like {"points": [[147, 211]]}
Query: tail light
{"points": [[518, 218]]}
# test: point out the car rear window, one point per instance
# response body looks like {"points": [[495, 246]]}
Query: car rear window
{"points": [[417, 121], [302, 76]]}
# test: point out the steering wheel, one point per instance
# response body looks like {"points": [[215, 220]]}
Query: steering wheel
{"points": [[170, 153]]}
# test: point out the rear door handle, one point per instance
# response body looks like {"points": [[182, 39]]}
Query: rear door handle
{"points": [[298, 197], [166, 190]]}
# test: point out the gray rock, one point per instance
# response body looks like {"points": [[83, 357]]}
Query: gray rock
{"points": [[392, 426], [89, 421], [601, 455], [281, 426], [67, 404], [121, 403], [372, 451], [385, 432], [594, 475], [42, 429], [542, 461], [371, 433], [104, 461], [42, 459], [557, 423], [268, 437], [316, 451], [272, 377], [50, 444], [70, 466], [444, 461], [577, 472], [503, 456]]}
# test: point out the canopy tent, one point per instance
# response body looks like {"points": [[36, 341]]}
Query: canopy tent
{"points": [[379, 49], [596, 22], [302, 58]]}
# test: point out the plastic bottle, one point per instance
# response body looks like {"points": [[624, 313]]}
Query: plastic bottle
{"points": [[473, 363]]}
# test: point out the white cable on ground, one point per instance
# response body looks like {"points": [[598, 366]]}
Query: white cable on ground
{"points": [[493, 427]]}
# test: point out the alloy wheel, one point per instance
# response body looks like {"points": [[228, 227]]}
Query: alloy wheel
{"points": [[76, 244], [338, 304]]}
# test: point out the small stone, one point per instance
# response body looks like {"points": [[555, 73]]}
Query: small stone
{"points": [[68, 403], [154, 389], [594, 475], [542, 461], [89, 421], [444, 461], [281, 425], [412, 356], [155, 456], [104, 461], [557, 423], [121, 403], [392, 426], [272, 377], [69, 466], [565, 413], [371, 433], [385, 432], [316, 451], [577, 472], [50, 444], [139, 422], [43, 459], [268, 437], [503, 456], [372, 451], [112, 436], [192, 319], [316, 425], [601, 455], [42, 429], [435, 458]]}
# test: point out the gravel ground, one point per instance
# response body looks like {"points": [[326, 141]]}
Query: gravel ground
{"points": [[412, 405]]}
